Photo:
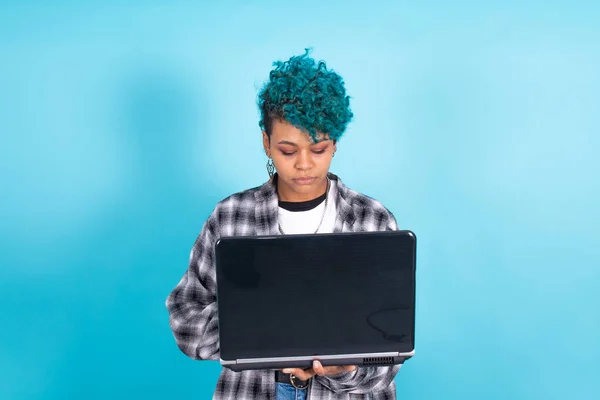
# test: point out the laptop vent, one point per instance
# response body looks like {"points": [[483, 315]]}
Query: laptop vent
{"points": [[378, 360]]}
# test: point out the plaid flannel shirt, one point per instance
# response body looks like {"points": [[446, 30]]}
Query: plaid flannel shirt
{"points": [[192, 303]]}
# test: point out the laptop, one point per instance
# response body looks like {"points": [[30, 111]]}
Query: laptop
{"points": [[340, 298]]}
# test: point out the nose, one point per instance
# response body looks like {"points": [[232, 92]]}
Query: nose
{"points": [[304, 161]]}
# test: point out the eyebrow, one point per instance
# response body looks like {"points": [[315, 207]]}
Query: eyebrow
{"points": [[294, 144], [287, 142]]}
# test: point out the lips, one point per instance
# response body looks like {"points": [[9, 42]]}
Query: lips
{"points": [[304, 181]]}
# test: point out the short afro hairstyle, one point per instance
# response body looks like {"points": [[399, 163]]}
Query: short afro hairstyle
{"points": [[307, 95]]}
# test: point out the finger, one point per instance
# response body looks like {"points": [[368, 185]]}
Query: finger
{"points": [[301, 374], [294, 371], [305, 374], [326, 371], [334, 370], [319, 369]]}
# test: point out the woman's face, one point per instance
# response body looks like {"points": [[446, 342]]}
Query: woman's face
{"points": [[301, 164]]}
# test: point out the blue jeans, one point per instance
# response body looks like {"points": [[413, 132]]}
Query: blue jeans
{"points": [[285, 391]]}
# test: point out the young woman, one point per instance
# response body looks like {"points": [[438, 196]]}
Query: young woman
{"points": [[304, 112]]}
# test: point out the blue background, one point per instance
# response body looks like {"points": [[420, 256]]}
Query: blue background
{"points": [[477, 124]]}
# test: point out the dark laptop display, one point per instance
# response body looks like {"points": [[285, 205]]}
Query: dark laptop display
{"points": [[345, 298]]}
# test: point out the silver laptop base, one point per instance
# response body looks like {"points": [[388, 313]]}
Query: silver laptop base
{"points": [[360, 360]]}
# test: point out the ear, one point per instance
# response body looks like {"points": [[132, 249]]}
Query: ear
{"points": [[266, 143]]}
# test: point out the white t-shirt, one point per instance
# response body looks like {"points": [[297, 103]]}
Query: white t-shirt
{"points": [[297, 222]]}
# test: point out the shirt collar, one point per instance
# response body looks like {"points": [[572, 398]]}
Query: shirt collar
{"points": [[267, 204]]}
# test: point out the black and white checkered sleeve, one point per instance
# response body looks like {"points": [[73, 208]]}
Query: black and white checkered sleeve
{"points": [[192, 303]]}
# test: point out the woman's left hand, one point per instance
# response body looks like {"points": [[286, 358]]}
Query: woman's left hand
{"points": [[318, 369]]}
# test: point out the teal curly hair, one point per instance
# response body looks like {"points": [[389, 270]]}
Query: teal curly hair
{"points": [[307, 95]]}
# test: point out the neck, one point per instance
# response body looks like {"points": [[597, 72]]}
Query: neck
{"points": [[285, 193]]}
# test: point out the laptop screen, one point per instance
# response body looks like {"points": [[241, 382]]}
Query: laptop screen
{"points": [[306, 295]]}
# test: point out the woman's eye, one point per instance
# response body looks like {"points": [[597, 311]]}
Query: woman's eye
{"points": [[319, 151], [285, 153]]}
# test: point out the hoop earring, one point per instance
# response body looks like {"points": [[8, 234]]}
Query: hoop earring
{"points": [[270, 168]]}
